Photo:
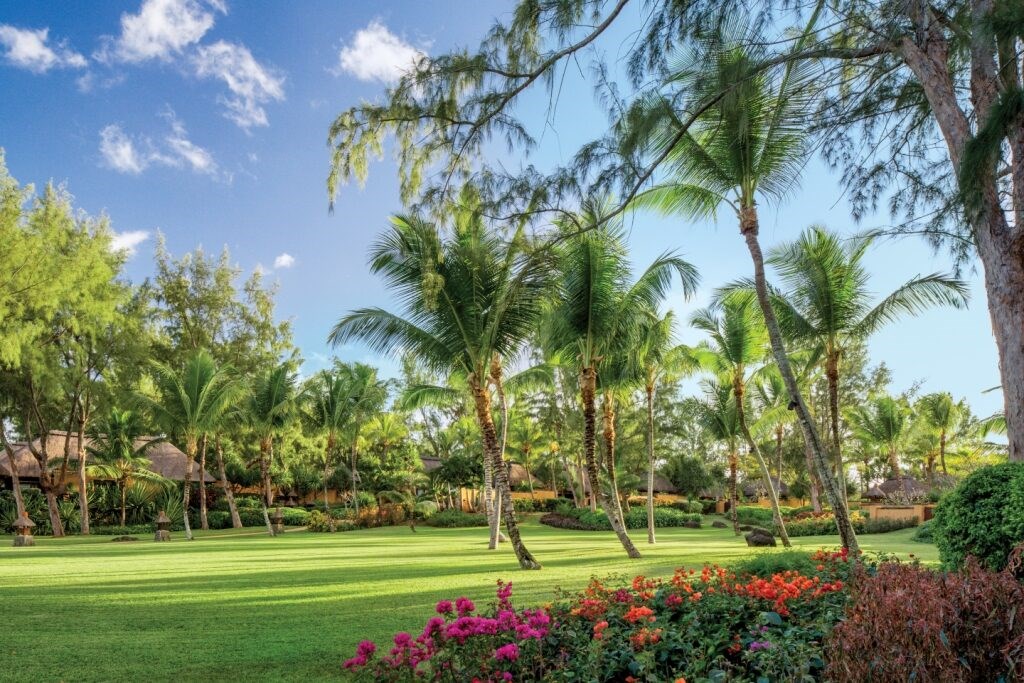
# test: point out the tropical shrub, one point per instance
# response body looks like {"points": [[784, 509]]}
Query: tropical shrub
{"points": [[983, 517], [451, 519], [910, 623], [320, 522], [218, 519], [716, 624], [823, 524], [925, 532], [636, 518]]}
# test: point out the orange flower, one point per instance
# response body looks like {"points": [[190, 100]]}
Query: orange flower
{"points": [[636, 614]]}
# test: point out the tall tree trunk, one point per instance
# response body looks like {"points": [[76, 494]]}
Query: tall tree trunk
{"points": [[649, 390], [327, 464], [503, 403], [236, 520], [482, 400], [942, 451], [1000, 246], [19, 501], [355, 477], [832, 377], [734, 496], [526, 466], [608, 416], [490, 509], [268, 493], [778, 453], [83, 480], [124, 503], [836, 496], [204, 523], [812, 480], [773, 497], [588, 391], [191, 446]]}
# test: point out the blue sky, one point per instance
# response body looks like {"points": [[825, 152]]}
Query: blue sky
{"points": [[207, 121]]}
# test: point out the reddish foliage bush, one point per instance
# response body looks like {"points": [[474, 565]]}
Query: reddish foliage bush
{"points": [[911, 623]]}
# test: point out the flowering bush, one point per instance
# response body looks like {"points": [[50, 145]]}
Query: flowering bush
{"points": [[714, 624]]}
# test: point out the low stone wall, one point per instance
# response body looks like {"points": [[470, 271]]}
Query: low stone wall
{"points": [[899, 512]]}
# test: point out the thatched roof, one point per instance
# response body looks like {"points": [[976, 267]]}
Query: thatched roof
{"points": [[891, 487], [756, 488], [165, 459], [430, 463], [874, 493], [517, 475], [661, 485]]}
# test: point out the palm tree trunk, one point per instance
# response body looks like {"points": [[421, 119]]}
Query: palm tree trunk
{"points": [[482, 401], [268, 495], [327, 461], [734, 495], [942, 451], [503, 402], [83, 483], [489, 499], [204, 523], [608, 415], [355, 478], [836, 496], [812, 479], [529, 477], [773, 496], [832, 375], [236, 520], [124, 505], [190, 450], [588, 391], [650, 464], [778, 453], [897, 474]]}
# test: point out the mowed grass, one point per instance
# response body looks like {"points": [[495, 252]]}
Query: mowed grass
{"points": [[238, 605]]}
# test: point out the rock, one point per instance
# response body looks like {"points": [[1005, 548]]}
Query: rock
{"points": [[745, 527], [719, 524], [760, 538], [693, 524], [162, 535], [124, 539]]}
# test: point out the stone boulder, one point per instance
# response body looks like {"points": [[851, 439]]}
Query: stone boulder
{"points": [[760, 538], [745, 527], [692, 524], [719, 524]]}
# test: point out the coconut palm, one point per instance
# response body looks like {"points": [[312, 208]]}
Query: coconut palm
{"points": [[657, 359], [119, 453], [826, 304], [720, 420], [525, 438], [471, 301], [598, 314], [270, 408], [884, 423], [738, 346], [746, 147], [191, 403], [943, 416]]}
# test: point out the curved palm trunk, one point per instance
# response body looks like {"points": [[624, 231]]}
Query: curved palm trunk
{"points": [[608, 415], [191, 446], [942, 451], [650, 464], [588, 391], [734, 495], [812, 479], [498, 494], [236, 520], [836, 496], [482, 400], [773, 496], [204, 523], [489, 508]]}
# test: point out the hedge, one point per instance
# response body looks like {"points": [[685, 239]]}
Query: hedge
{"points": [[451, 519], [636, 518]]}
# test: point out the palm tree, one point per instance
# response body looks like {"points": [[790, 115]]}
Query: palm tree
{"points": [[120, 453], [884, 423], [525, 438], [471, 301], [658, 360], [944, 416], [270, 408], [738, 342], [191, 403], [598, 314], [719, 418], [826, 303], [748, 144]]}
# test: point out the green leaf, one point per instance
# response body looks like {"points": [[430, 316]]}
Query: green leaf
{"points": [[772, 618]]}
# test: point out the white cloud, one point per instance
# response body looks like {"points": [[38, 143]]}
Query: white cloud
{"points": [[161, 29], [128, 241], [284, 260], [28, 49], [134, 154], [377, 54], [120, 152], [252, 85]]}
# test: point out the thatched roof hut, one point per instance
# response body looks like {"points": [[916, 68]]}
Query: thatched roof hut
{"points": [[661, 485], [891, 487], [755, 488], [165, 459]]}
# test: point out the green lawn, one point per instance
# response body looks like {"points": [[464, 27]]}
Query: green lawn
{"points": [[243, 606]]}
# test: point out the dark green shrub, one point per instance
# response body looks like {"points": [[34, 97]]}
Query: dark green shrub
{"points": [[636, 518], [451, 519], [884, 526], [982, 517], [219, 519], [755, 516], [695, 506], [295, 516], [319, 522], [525, 504], [925, 532], [768, 563]]}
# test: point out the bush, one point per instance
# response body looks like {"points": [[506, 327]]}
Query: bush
{"points": [[824, 524], [218, 519], [320, 522], [755, 516], [131, 530], [585, 520], [925, 532], [452, 519], [982, 517], [910, 623]]}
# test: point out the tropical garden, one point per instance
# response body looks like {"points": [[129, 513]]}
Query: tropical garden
{"points": [[764, 504]]}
